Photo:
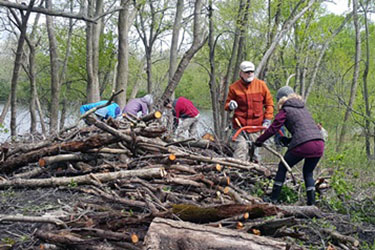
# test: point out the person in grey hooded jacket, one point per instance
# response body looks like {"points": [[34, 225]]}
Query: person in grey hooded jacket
{"points": [[138, 106]]}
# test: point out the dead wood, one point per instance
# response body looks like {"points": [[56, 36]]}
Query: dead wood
{"points": [[341, 238], [152, 116], [31, 219], [193, 213], [269, 227], [44, 161], [115, 198], [71, 240], [302, 211], [137, 176], [14, 162], [168, 234], [84, 179]]}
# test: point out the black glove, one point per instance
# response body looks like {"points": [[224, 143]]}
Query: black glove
{"points": [[258, 144], [284, 141]]}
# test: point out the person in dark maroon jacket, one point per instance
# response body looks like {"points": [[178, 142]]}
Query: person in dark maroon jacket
{"points": [[185, 116], [306, 141]]}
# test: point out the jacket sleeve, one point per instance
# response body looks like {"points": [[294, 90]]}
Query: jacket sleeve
{"points": [[144, 108], [268, 104], [274, 127], [83, 109], [231, 96]]}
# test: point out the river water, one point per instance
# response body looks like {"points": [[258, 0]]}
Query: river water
{"points": [[23, 121]]}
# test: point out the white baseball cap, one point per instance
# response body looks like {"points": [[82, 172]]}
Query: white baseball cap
{"points": [[246, 66]]}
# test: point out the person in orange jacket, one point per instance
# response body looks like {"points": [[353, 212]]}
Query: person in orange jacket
{"points": [[252, 103]]}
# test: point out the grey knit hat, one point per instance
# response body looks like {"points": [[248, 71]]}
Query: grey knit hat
{"points": [[284, 91]]}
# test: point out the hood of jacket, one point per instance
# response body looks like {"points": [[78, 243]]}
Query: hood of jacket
{"points": [[292, 100], [148, 99]]}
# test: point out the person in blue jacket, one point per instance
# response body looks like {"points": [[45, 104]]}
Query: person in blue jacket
{"points": [[112, 110]]}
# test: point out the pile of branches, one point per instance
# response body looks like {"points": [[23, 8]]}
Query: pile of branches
{"points": [[138, 188]]}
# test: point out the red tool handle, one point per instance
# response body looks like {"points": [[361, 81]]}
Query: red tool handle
{"points": [[256, 128]]}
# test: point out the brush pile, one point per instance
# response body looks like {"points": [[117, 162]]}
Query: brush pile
{"points": [[127, 185]]}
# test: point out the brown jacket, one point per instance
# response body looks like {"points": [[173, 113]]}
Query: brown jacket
{"points": [[254, 102]]}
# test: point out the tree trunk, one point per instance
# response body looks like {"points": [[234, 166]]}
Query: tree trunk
{"points": [[123, 53], [22, 25], [169, 234], [212, 83], [229, 75], [353, 89], [365, 87], [63, 71], [175, 37], [199, 40], [5, 109], [92, 51], [244, 16], [55, 82]]}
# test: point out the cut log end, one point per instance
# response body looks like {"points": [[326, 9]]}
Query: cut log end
{"points": [[42, 162], [157, 114], [172, 157]]}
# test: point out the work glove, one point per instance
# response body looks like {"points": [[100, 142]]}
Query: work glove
{"points": [[266, 123], [284, 141], [258, 143], [233, 105]]}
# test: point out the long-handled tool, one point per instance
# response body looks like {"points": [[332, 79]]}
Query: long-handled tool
{"points": [[246, 136], [282, 160], [252, 146]]}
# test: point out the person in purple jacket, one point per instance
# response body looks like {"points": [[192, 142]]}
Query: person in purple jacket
{"points": [[185, 116], [138, 106], [306, 141]]}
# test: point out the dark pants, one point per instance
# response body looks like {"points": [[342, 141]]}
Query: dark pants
{"points": [[308, 168]]}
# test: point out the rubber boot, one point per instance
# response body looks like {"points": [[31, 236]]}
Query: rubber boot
{"points": [[276, 190], [311, 197]]}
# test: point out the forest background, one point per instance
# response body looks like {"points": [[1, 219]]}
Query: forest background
{"points": [[58, 54]]}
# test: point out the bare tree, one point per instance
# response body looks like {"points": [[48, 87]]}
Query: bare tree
{"points": [[212, 83], [64, 69], [33, 42], [199, 39], [22, 25], [174, 42], [367, 126], [353, 89], [55, 81], [125, 19], [94, 9], [150, 25], [229, 76]]}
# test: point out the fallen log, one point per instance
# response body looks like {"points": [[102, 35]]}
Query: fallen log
{"points": [[341, 238], [31, 219], [44, 161], [302, 211], [169, 234], [18, 161], [152, 116], [192, 213], [84, 179]]}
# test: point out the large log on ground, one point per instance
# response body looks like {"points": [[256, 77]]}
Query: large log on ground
{"points": [[169, 234], [96, 141]]}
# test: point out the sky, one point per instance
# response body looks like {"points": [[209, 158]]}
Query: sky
{"points": [[337, 7]]}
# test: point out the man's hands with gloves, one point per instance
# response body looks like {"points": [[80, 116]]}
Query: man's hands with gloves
{"points": [[233, 105]]}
